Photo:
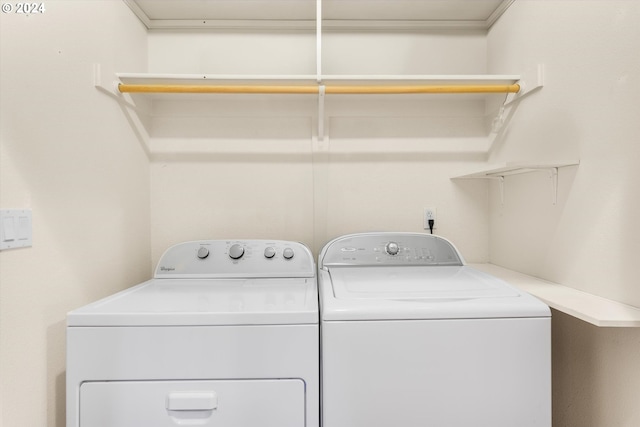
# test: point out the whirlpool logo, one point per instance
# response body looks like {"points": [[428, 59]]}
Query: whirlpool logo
{"points": [[163, 268]]}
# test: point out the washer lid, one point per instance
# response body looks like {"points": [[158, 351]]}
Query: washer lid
{"points": [[202, 302], [436, 292], [445, 283]]}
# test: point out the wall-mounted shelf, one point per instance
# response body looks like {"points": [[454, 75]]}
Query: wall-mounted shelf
{"points": [[507, 169], [361, 84], [461, 87], [514, 169], [591, 308], [478, 91], [470, 84], [191, 82]]}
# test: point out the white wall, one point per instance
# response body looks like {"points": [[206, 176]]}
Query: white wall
{"points": [[68, 153], [252, 166], [587, 110]]}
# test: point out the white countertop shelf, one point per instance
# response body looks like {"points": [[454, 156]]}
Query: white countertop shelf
{"points": [[593, 309]]}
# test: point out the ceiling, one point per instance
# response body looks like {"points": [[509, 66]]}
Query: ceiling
{"points": [[300, 14]]}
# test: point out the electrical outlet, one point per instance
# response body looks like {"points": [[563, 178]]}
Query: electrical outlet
{"points": [[429, 213]]}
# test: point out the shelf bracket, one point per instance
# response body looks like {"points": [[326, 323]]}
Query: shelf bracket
{"points": [[553, 174], [111, 90], [500, 180], [321, 90], [531, 82]]}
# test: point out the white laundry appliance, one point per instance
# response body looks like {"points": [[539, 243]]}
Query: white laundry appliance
{"points": [[412, 337], [225, 335]]}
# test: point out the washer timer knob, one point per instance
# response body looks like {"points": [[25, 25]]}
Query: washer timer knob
{"points": [[287, 253], [203, 252], [391, 248], [236, 251], [269, 252]]}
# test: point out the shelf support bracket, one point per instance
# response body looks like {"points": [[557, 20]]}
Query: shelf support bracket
{"points": [[501, 183], [321, 118], [500, 179], [553, 174], [530, 83]]}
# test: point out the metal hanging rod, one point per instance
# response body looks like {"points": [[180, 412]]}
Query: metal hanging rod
{"points": [[315, 89]]}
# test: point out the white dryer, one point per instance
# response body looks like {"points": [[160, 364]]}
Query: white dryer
{"points": [[225, 334], [412, 337]]}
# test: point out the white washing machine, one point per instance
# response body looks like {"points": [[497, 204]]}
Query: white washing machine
{"points": [[225, 335], [412, 337]]}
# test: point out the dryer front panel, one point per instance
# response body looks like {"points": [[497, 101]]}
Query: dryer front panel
{"points": [[265, 403]]}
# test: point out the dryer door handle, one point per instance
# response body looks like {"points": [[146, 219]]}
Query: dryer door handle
{"points": [[192, 401]]}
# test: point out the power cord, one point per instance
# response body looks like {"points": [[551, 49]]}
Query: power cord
{"points": [[431, 224]]}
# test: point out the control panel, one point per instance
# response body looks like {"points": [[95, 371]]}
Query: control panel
{"points": [[236, 258], [389, 249]]}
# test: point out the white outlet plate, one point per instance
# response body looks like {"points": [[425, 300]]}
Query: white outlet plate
{"points": [[427, 214]]}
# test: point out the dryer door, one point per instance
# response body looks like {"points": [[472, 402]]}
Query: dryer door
{"points": [[266, 403]]}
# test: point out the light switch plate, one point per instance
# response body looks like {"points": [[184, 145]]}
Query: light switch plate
{"points": [[15, 228]]}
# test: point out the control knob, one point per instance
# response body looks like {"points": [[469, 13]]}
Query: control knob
{"points": [[287, 253], [203, 252], [269, 252], [236, 251], [391, 248]]}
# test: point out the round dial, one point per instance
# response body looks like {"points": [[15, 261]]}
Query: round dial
{"points": [[269, 252], [236, 251], [288, 253], [203, 252], [391, 248]]}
